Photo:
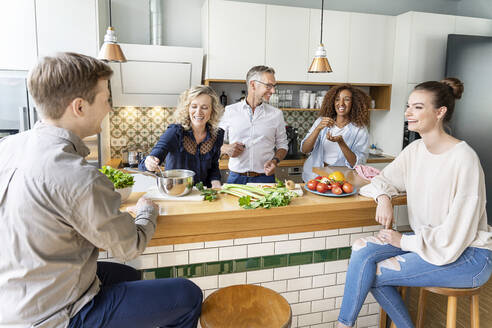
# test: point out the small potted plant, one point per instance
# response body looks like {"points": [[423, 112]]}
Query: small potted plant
{"points": [[122, 182]]}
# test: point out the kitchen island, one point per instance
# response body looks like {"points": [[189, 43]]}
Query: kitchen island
{"points": [[189, 222], [301, 250]]}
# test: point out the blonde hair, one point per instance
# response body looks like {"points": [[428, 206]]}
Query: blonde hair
{"points": [[182, 115], [55, 81]]}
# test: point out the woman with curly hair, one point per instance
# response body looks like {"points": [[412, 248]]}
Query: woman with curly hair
{"points": [[194, 142], [339, 136]]}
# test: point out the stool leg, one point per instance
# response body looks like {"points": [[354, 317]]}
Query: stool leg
{"points": [[451, 317], [382, 318], [421, 308], [475, 312]]}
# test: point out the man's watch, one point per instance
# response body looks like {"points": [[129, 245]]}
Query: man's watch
{"points": [[276, 159]]}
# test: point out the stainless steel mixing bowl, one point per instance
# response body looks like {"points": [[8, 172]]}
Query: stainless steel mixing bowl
{"points": [[175, 182]]}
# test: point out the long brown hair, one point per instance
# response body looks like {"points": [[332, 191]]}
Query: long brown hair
{"points": [[359, 114]]}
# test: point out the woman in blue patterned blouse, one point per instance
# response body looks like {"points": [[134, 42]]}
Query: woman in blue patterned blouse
{"points": [[339, 136], [194, 142]]}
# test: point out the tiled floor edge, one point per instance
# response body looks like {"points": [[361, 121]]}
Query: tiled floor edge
{"points": [[248, 264]]}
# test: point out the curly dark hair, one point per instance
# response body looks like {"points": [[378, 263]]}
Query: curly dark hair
{"points": [[359, 114]]}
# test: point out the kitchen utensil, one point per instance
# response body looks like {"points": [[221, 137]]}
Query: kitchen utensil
{"points": [[292, 135], [175, 182], [134, 157]]}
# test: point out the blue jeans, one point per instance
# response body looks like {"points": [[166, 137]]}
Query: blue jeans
{"points": [[126, 301], [377, 268], [241, 179]]}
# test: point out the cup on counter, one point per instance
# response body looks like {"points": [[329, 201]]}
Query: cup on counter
{"points": [[305, 100], [312, 100]]}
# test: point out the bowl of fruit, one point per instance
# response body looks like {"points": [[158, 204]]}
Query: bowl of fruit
{"points": [[333, 185]]}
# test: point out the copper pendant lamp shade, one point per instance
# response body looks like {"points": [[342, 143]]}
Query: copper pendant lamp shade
{"points": [[111, 50], [320, 63]]}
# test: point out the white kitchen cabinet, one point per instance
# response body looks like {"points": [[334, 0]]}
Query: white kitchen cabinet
{"points": [[155, 75], [428, 40], [473, 26], [372, 39], [63, 27], [17, 35], [336, 38], [287, 44], [233, 38]]}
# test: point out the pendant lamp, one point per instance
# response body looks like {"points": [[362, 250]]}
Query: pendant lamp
{"points": [[110, 50], [320, 63]]}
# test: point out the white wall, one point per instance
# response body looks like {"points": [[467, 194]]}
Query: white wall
{"points": [[131, 20]]}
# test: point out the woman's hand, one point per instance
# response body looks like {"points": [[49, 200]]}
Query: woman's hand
{"points": [[151, 163], [338, 139], [216, 184], [391, 237], [384, 211], [325, 122]]}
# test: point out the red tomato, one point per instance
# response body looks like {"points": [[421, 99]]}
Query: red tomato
{"points": [[335, 184], [319, 177], [321, 187], [347, 187], [312, 184], [336, 190]]}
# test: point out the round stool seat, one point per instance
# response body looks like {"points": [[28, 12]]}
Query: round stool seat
{"points": [[245, 306]]}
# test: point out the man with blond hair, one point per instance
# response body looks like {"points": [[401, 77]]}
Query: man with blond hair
{"points": [[57, 211]]}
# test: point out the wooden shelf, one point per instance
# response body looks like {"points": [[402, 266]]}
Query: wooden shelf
{"points": [[381, 93]]}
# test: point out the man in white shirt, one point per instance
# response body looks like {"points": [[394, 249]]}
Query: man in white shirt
{"points": [[255, 131]]}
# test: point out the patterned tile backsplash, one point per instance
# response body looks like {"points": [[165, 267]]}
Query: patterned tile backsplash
{"points": [[142, 126]]}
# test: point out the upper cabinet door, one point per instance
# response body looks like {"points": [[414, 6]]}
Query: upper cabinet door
{"points": [[473, 26], [17, 35], [428, 40], [236, 38], [372, 40], [336, 40], [287, 30], [67, 27]]}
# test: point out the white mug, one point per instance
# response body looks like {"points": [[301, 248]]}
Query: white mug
{"points": [[305, 100], [312, 100]]}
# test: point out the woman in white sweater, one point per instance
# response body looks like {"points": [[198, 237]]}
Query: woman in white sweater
{"points": [[444, 181]]}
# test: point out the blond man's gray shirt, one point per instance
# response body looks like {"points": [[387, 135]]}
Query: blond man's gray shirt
{"points": [[56, 212]]}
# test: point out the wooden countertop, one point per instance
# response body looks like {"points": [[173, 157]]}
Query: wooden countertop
{"points": [[223, 163], [186, 222]]}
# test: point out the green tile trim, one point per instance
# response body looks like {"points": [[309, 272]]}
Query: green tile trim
{"points": [[250, 264], [300, 258], [274, 261], [215, 268], [190, 270], [325, 255], [344, 253]]}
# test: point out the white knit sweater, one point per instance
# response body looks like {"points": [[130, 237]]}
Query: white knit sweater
{"points": [[446, 200]]}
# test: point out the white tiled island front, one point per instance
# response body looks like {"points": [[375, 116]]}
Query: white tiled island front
{"points": [[301, 250]]}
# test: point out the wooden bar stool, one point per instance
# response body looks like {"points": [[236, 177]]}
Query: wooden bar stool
{"points": [[248, 306], [452, 294]]}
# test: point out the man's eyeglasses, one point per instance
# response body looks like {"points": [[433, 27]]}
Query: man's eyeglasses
{"points": [[269, 86]]}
